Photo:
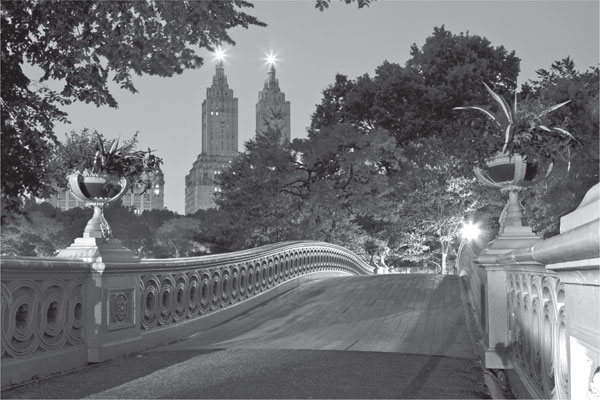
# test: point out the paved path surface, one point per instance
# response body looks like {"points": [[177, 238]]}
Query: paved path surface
{"points": [[401, 336]]}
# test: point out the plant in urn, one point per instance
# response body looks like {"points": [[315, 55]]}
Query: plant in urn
{"points": [[528, 147], [102, 172]]}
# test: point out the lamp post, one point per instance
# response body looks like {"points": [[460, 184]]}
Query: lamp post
{"points": [[469, 232]]}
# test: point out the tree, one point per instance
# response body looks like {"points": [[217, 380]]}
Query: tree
{"points": [[262, 192], [321, 5], [436, 197], [127, 227], [35, 232], [416, 100], [178, 237], [577, 169], [453, 67], [83, 44], [216, 229]]}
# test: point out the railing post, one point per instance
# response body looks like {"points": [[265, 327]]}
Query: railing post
{"points": [[514, 233], [577, 355], [112, 293]]}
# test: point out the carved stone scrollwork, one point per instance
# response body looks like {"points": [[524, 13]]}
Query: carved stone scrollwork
{"points": [[225, 286], [42, 315], [166, 300], [215, 289], [174, 297], [250, 279], [536, 329], [537, 325], [121, 309], [235, 283], [243, 281], [548, 332], [150, 289], [205, 292], [257, 277], [193, 295], [561, 339], [180, 297]]}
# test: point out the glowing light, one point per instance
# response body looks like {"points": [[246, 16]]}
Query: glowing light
{"points": [[271, 59], [470, 231], [219, 54]]}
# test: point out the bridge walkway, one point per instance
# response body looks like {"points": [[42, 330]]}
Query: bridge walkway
{"points": [[385, 336]]}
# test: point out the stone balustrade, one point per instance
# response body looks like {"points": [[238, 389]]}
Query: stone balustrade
{"points": [[540, 308], [43, 315], [62, 314]]}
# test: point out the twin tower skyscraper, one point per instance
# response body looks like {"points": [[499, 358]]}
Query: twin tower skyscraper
{"points": [[220, 134]]}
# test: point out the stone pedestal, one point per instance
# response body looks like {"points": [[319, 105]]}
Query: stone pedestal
{"points": [[514, 233], [99, 250], [111, 296]]}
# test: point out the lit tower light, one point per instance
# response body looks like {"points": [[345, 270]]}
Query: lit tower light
{"points": [[271, 59], [220, 55], [272, 110], [271, 81]]}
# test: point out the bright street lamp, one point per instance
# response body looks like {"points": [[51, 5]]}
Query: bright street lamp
{"points": [[470, 231]]}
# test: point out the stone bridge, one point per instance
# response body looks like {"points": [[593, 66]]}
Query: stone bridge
{"points": [[309, 319]]}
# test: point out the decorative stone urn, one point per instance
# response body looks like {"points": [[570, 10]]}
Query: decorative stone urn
{"points": [[505, 171], [97, 191], [510, 173]]}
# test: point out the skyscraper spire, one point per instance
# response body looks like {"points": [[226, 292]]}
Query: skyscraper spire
{"points": [[219, 141], [271, 83], [220, 78], [272, 110]]}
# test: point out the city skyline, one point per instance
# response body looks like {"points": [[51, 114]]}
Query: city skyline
{"points": [[311, 48]]}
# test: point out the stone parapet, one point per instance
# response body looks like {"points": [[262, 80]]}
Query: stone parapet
{"points": [[546, 322], [103, 302]]}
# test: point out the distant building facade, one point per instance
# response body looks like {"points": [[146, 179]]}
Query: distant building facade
{"points": [[219, 143], [65, 201], [272, 110], [152, 199]]}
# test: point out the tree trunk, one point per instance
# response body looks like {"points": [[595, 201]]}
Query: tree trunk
{"points": [[444, 257]]}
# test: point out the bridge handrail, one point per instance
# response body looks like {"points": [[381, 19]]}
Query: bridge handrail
{"points": [[540, 305], [60, 314], [206, 261], [195, 286]]}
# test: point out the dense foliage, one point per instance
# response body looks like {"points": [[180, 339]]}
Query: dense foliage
{"points": [[91, 152], [83, 45], [386, 169], [387, 166], [576, 168]]}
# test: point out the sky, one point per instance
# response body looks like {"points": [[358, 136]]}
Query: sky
{"points": [[311, 48]]}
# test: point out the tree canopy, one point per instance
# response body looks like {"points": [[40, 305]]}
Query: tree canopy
{"points": [[576, 167], [417, 100], [83, 45]]}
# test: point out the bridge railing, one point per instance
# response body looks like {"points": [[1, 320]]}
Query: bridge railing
{"points": [[62, 314], [540, 309], [43, 315]]}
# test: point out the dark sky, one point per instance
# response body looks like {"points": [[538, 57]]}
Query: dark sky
{"points": [[312, 47]]}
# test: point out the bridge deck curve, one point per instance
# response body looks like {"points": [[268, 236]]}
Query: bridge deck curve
{"points": [[416, 314], [404, 336]]}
